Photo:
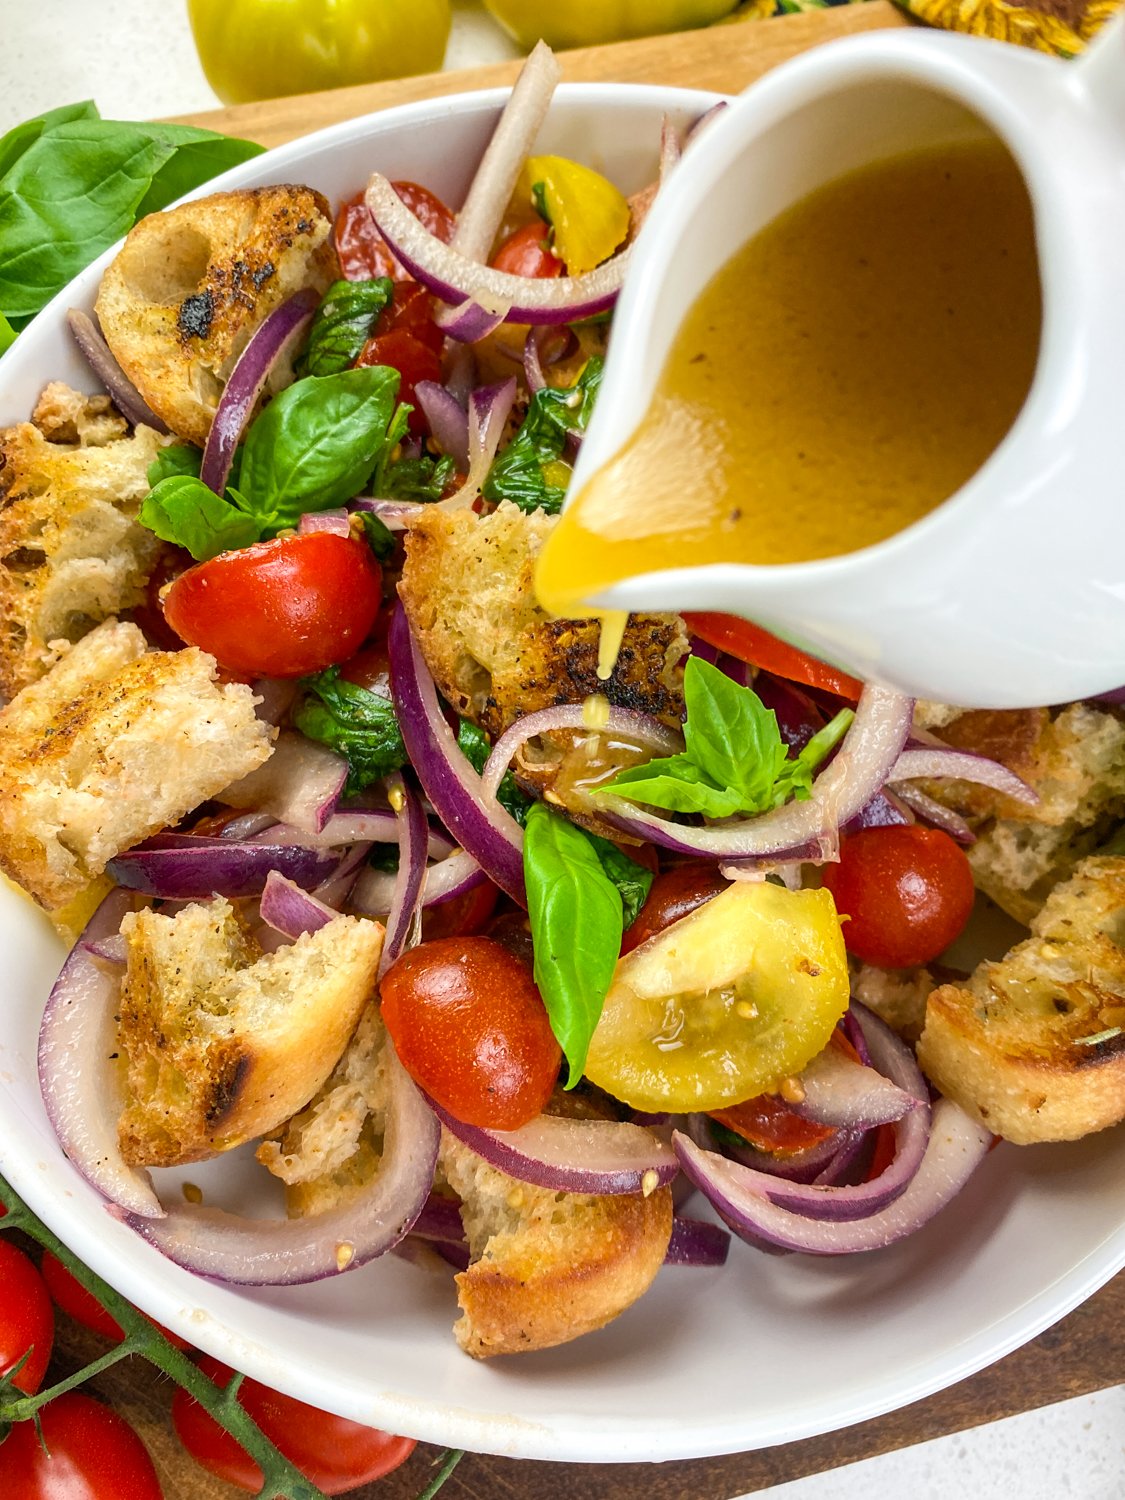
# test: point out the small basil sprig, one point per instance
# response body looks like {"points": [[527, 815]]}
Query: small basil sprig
{"points": [[531, 471], [72, 183], [176, 459], [576, 927], [421, 478], [183, 510], [355, 722], [734, 760], [343, 323]]}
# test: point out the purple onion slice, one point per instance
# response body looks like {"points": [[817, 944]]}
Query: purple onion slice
{"points": [[695, 1242], [301, 783], [491, 835], [413, 836], [274, 338], [98, 355], [291, 1252], [469, 322], [572, 1156], [198, 871], [291, 911], [448, 420], [848, 1095], [944, 761], [335, 521], [77, 1040], [626, 722], [489, 410], [444, 881], [932, 812]]}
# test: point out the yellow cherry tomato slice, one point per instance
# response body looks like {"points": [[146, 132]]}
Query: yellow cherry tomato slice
{"points": [[258, 49], [587, 23], [725, 1004], [589, 215]]}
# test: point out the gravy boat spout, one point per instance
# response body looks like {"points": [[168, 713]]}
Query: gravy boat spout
{"points": [[1012, 591]]}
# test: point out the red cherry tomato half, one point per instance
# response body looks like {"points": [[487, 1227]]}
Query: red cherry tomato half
{"points": [[363, 253], [751, 643], [907, 891], [73, 1298], [671, 896], [526, 253], [464, 916], [27, 1320], [88, 1453], [769, 1124], [470, 1028], [280, 608], [413, 360], [335, 1454], [412, 309]]}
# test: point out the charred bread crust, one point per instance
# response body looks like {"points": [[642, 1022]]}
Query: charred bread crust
{"points": [[1034, 1046], [190, 285]]}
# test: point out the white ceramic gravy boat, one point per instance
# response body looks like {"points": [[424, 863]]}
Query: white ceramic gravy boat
{"points": [[1012, 592]]}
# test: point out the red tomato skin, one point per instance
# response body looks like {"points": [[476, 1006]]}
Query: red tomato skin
{"points": [[411, 310], [361, 249], [281, 608], [769, 1124], [470, 1028], [413, 360], [27, 1319], [72, 1297], [526, 253], [336, 1454], [464, 916], [907, 891], [91, 1454], [671, 896], [750, 643]]}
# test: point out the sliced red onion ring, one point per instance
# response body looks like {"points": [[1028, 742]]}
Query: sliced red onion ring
{"points": [[933, 812], [291, 1252], [354, 825], [469, 322], [627, 722], [671, 147], [826, 1162], [275, 698], [572, 1156], [334, 891], [846, 1094], [885, 810], [704, 120], [456, 278], [289, 910], [956, 1147], [962, 765], [335, 521], [491, 835], [301, 784], [98, 355], [1113, 696], [274, 338], [444, 881], [77, 1040], [799, 830], [447, 418], [396, 515], [533, 375], [489, 410], [413, 836], [695, 1242], [202, 868], [110, 950]]}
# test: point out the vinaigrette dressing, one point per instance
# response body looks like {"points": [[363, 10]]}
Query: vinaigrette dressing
{"points": [[847, 371]]}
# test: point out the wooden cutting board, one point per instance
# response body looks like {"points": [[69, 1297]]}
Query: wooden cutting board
{"points": [[1086, 1352]]}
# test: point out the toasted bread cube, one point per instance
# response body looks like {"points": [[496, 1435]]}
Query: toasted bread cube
{"points": [[190, 286], [222, 1043], [72, 552], [1034, 1046], [114, 744]]}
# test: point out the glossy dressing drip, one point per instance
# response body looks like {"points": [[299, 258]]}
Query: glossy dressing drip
{"points": [[847, 371]]}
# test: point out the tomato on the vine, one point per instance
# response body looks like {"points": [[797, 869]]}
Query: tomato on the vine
{"points": [[72, 1297], [907, 891], [527, 253], [281, 608], [27, 1320], [87, 1453], [671, 896], [337, 1455], [414, 361], [363, 252], [470, 1027]]}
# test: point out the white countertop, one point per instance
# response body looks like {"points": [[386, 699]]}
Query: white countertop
{"points": [[135, 58]]}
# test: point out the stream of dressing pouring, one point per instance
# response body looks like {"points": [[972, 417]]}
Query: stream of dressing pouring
{"points": [[1011, 591]]}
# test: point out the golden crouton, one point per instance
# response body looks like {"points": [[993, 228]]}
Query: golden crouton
{"points": [[220, 1043], [71, 550], [1034, 1046], [190, 285], [113, 744], [495, 655], [897, 996], [546, 1267]]}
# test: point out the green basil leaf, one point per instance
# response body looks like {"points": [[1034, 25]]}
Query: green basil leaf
{"points": [[677, 784], [633, 881], [475, 747], [424, 479], [531, 471], [576, 926], [7, 334], [316, 444], [539, 199], [343, 323], [183, 510], [730, 734], [20, 137], [198, 155], [177, 458], [380, 538], [355, 722]]}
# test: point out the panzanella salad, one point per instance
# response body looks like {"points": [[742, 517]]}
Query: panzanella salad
{"points": [[499, 964]]}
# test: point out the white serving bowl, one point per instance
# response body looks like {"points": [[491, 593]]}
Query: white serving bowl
{"points": [[765, 1350]]}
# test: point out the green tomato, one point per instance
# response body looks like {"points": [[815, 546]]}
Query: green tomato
{"points": [[258, 49], [588, 23]]}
